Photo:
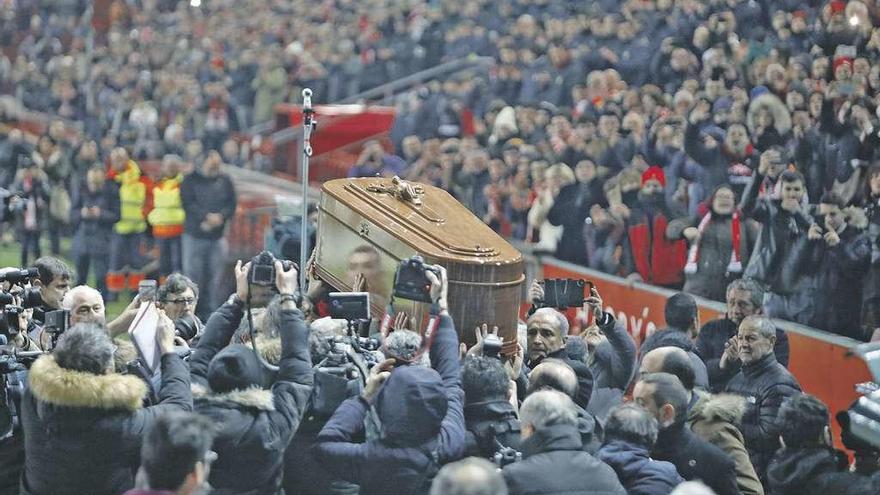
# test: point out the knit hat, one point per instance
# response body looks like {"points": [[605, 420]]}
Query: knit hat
{"points": [[235, 368], [841, 61], [837, 7], [758, 91], [656, 173]]}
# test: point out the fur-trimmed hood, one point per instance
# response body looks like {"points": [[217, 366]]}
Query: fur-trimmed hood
{"points": [[52, 384], [728, 408], [856, 217], [251, 398]]}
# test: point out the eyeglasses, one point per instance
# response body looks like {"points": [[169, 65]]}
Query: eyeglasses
{"points": [[188, 301]]}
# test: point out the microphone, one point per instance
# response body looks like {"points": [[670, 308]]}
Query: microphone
{"points": [[307, 100]]}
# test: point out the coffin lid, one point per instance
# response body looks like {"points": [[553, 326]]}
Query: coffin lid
{"points": [[425, 217]]}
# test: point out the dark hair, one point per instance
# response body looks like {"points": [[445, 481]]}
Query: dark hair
{"points": [[680, 311], [175, 284], [832, 198], [632, 423], [483, 379], [172, 446], [668, 390], [677, 362], [790, 176], [553, 374], [84, 347], [873, 170], [50, 267], [802, 419]]}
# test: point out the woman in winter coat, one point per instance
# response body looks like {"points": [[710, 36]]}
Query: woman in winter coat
{"points": [[720, 242]]}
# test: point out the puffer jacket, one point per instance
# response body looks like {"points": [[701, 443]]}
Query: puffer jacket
{"points": [[710, 347], [422, 426], [716, 420], [780, 230], [765, 384], [638, 473], [554, 463], [815, 471], [671, 337], [83, 432], [256, 425]]}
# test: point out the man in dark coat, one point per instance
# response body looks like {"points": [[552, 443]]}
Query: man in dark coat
{"points": [[553, 459], [630, 434], [83, 426], [94, 212], [808, 464], [421, 414], [663, 395], [612, 349], [682, 323], [256, 425], [765, 384], [489, 416], [571, 208], [744, 298]]}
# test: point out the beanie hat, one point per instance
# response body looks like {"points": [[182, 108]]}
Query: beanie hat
{"points": [[837, 6], [235, 368], [758, 91], [654, 172], [723, 104], [841, 61]]}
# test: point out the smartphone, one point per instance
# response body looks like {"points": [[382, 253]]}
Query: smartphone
{"points": [[147, 290], [564, 293]]}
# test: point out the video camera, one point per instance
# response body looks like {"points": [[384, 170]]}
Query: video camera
{"points": [[262, 270], [411, 280], [20, 276]]}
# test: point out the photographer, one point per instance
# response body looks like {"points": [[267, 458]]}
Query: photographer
{"points": [[489, 416], [84, 424], [178, 296], [256, 424], [421, 414], [53, 282]]}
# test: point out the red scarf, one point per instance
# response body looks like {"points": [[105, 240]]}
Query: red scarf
{"points": [[735, 264]]}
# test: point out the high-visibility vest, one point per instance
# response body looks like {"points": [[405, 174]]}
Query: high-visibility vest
{"points": [[132, 199], [167, 215]]}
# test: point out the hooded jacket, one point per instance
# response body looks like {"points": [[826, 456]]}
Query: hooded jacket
{"points": [[256, 425], [83, 432], [638, 473], [815, 471], [696, 459], [671, 337], [710, 347], [554, 463], [715, 419], [765, 384], [422, 426]]}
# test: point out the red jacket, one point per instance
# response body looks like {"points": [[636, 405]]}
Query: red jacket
{"points": [[658, 260]]}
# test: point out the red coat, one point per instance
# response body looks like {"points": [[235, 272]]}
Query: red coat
{"points": [[658, 260]]}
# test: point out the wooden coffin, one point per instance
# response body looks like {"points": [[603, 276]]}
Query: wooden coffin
{"points": [[368, 225]]}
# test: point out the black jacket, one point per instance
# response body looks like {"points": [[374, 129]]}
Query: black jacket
{"points": [[815, 471], [696, 459], [780, 229], [93, 234], [671, 337], [256, 425], [488, 422], [570, 208], [83, 432], [553, 463], [201, 195], [765, 384], [710, 348]]}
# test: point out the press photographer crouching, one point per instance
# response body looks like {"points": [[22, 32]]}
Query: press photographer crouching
{"points": [[420, 410], [257, 413], [178, 296], [84, 423]]}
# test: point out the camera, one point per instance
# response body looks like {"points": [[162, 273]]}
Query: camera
{"points": [[492, 346], [262, 271], [6, 298], [57, 322], [31, 298], [185, 327], [19, 276], [564, 293], [411, 280], [349, 306], [11, 314]]}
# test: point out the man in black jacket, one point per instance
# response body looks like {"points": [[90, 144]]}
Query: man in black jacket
{"points": [[766, 384], [681, 326], [256, 425], [93, 213], [83, 426], [554, 462], [716, 342], [489, 417], [208, 198], [665, 397]]}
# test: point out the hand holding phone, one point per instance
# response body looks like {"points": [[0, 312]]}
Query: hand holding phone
{"points": [[147, 290]]}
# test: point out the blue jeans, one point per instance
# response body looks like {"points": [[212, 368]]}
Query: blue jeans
{"points": [[203, 263]]}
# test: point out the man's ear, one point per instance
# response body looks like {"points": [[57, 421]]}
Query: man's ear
{"points": [[37, 282], [773, 341], [667, 415]]}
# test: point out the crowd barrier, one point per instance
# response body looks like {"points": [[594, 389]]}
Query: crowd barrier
{"points": [[824, 364]]}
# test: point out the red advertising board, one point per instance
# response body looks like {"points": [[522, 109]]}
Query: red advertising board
{"points": [[823, 363]]}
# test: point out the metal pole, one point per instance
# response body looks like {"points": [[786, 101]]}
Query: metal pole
{"points": [[309, 124]]}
